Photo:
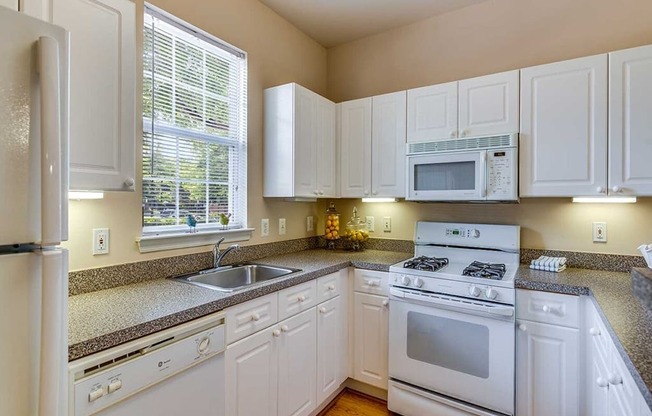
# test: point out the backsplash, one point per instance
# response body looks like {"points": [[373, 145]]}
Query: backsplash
{"points": [[92, 280]]}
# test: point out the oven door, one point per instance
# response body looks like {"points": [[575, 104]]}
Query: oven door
{"points": [[457, 347], [447, 177]]}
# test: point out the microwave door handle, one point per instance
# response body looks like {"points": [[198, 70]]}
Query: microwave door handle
{"points": [[505, 311], [483, 174]]}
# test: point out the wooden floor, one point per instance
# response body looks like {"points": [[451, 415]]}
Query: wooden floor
{"points": [[352, 404]]}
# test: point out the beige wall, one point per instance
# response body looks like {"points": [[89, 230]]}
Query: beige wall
{"points": [[495, 36], [547, 223], [277, 53], [490, 37]]}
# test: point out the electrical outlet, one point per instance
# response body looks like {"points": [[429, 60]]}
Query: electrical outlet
{"points": [[281, 226], [371, 224], [310, 223], [100, 241], [599, 232], [264, 227], [387, 224]]}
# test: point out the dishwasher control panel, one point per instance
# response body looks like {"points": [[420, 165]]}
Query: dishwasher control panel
{"points": [[148, 367]]}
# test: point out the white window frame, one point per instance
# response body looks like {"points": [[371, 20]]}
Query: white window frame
{"points": [[162, 237]]}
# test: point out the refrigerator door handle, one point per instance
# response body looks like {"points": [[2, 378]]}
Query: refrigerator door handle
{"points": [[51, 195], [54, 334]]}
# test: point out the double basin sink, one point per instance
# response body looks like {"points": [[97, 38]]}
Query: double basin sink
{"points": [[230, 278]]}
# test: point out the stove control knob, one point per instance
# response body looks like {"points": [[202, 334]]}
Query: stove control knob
{"points": [[491, 293], [475, 233], [474, 291], [418, 282], [405, 280]]}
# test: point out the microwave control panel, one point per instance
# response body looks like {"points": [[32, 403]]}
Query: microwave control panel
{"points": [[502, 174]]}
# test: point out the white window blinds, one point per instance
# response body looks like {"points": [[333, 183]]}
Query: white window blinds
{"points": [[194, 127]]}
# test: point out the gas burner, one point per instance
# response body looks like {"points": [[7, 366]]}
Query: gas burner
{"points": [[486, 270], [431, 264]]}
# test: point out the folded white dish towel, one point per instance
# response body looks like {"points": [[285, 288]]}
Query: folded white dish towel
{"points": [[549, 264]]}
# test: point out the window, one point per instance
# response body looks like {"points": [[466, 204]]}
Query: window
{"points": [[194, 127]]}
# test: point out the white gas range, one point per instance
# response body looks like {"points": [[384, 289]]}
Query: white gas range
{"points": [[452, 330]]}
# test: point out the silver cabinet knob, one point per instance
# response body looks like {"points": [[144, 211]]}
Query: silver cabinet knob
{"points": [[616, 189], [129, 182], [601, 382]]}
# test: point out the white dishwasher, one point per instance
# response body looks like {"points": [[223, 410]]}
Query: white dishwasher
{"points": [[173, 372]]}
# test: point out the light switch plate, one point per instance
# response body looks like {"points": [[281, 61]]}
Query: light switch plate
{"points": [[387, 224], [371, 224], [599, 232], [100, 241], [264, 227], [281, 226]]}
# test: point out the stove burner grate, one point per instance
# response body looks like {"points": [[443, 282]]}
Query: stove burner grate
{"points": [[485, 270], [431, 264]]}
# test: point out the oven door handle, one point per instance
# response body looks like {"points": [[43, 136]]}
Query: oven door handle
{"points": [[432, 299]]}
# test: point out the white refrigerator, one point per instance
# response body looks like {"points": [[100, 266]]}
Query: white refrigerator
{"points": [[34, 78]]}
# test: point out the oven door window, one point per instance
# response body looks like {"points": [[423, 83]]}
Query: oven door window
{"points": [[453, 176], [448, 343]]}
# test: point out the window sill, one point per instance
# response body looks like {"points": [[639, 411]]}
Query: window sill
{"points": [[171, 241]]}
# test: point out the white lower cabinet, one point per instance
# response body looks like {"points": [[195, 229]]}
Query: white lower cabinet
{"points": [[610, 388], [371, 320], [252, 375], [547, 379], [329, 348], [297, 365]]}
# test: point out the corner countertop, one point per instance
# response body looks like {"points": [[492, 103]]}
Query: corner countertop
{"points": [[103, 319], [628, 321]]}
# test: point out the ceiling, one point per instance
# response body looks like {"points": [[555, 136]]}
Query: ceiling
{"points": [[333, 22]]}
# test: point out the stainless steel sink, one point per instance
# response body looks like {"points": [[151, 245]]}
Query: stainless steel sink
{"points": [[230, 278]]}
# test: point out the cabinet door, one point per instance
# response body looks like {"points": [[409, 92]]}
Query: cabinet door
{"points": [[305, 151], [12, 4], [371, 339], [102, 91], [489, 105], [252, 375], [623, 391], [355, 148], [326, 168], [432, 113], [597, 383], [388, 145], [630, 124], [563, 134], [297, 360], [329, 348], [547, 370]]}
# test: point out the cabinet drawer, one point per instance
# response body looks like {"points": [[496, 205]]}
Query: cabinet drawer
{"points": [[547, 308], [296, 299], [328, 287], [250, 317], [373, 282]]}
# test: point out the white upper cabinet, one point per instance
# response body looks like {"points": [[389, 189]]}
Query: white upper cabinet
{"points": [[355, 146], [563, 134], [432, 113], [372, 140], [388, 145], [102, 90], [481, 106], [300, 147], [630, 122], [12, 4], [488, 105]]}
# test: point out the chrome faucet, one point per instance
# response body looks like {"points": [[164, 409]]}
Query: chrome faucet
{"points": [[218, 255]]}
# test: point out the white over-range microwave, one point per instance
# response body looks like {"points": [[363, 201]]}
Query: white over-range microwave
{"points": [[480, 169]]}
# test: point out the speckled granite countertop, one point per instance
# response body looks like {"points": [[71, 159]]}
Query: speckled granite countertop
{"points": [[106, 318], [629, 323]]}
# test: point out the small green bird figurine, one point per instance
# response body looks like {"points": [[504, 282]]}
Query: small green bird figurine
{"points": [[192, 223]]}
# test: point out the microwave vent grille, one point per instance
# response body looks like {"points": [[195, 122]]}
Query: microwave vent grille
{"points": [[472, 143]]}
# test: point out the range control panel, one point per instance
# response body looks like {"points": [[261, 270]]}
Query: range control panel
{"points": [[463, 232]]}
